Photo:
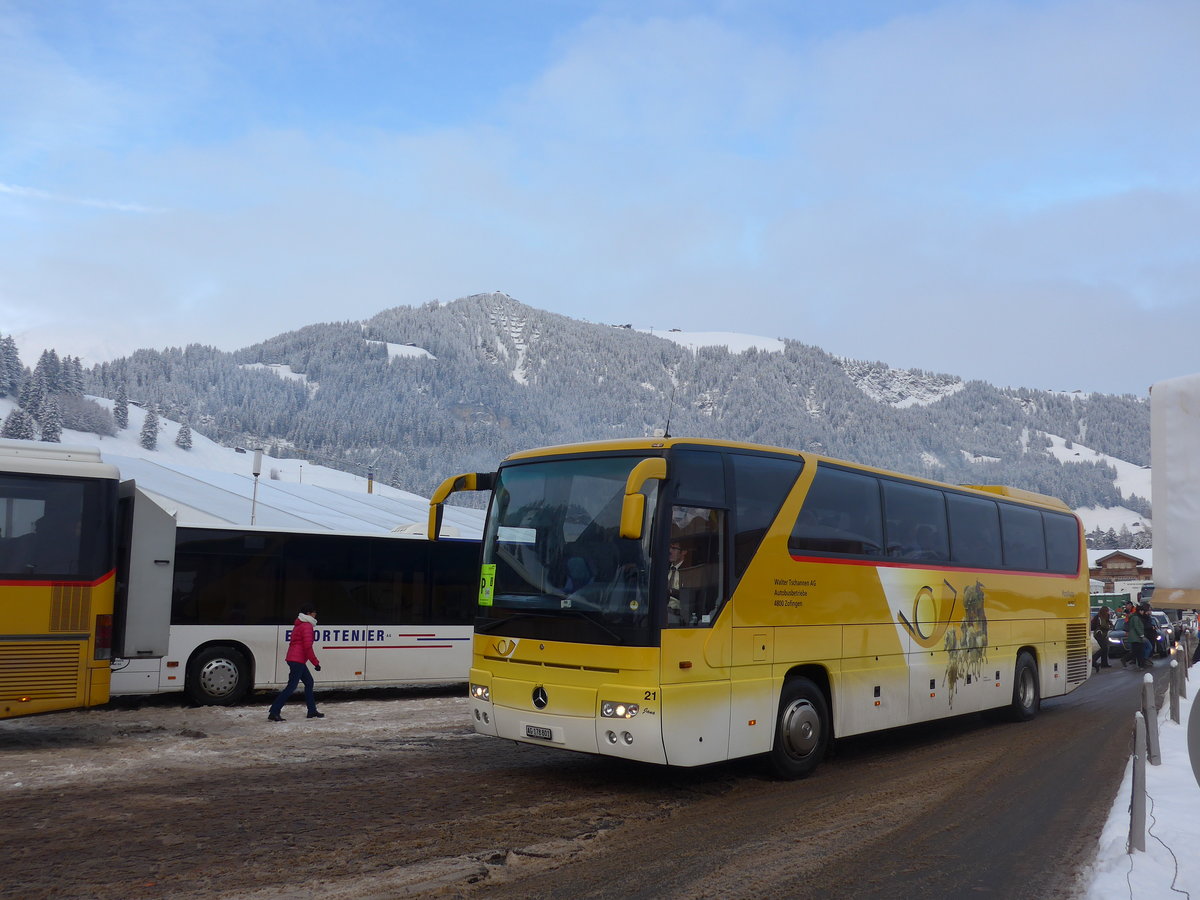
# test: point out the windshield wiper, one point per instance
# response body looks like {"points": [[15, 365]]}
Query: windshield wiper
{"points": [[493, 624]]}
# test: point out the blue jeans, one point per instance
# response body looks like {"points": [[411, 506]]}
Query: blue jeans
{"points": [[298, 672]]}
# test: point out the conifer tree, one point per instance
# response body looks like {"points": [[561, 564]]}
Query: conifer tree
{"points": [[51, 421], [19, 425], [10, 367], [149, 436], [72, 376], [184, 438], [121, 406], [50, 368], [32, 394]]}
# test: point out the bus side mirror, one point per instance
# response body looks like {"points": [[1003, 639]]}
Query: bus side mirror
{"points": [[468, 481], [633, 507]]}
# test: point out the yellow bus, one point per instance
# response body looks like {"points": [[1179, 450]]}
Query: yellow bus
{"points": [[683, 601], [58, 546]]}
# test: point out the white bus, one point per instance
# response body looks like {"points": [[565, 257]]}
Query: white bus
{"points": [[392, 609]]}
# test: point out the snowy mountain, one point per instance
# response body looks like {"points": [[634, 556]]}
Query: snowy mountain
{"points": [[418, 393]]}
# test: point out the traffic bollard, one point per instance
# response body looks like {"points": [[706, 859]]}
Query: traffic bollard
{"points": [[1137, 802], [1174, 683], [1150, 712]]}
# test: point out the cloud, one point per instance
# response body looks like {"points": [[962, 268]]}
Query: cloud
{"points": [[978, 188], [35, 194]]}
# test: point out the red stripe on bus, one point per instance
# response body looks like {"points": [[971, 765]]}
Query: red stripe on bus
{"points": [[60, 582], [392, 647], [881, 564]]}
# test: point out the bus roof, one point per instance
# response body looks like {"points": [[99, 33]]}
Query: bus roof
{"points": [[1020, 494], [43, 458], [658, 443], [664, 443]]}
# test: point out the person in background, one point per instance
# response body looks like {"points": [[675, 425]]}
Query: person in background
{"points": [[299, 655], [1150, 627], [1135, 638], [1101, 625]]}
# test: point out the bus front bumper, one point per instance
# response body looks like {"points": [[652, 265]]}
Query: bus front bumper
{"points": [[571, 719]]}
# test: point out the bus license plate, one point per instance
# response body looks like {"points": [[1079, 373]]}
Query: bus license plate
{"points": [[537, 731]]}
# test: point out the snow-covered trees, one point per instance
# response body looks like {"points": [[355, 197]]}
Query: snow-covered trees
{"points": [[82, 414], [20, 425], [10, 367], [500, 376], [149, 435], [51, 421], [121, 406], [184, 438]]}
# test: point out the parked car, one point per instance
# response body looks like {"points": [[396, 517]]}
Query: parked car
{"points": [[1116, 641], [1166, 633]]}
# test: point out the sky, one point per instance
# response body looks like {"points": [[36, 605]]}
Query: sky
{"points": [[996, 189]]}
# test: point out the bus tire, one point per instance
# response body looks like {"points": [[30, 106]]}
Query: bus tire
{"points": [[1027, 694], [217, 676], [802, 730]]}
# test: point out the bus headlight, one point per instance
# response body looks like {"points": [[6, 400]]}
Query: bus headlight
{"points": [[480, 692], [612, 709]]}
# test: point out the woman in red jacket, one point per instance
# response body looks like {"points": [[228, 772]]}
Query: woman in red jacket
{"points": [[299, 655]]}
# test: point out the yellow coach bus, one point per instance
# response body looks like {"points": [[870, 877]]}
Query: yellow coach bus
{"points": [[688, 601], [58, 540]]}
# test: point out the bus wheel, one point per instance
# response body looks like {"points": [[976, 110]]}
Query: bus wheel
{"points": [[801, 730], [217, 676], [1027, 696]]}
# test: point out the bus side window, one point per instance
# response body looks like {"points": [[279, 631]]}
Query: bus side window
{"points": [[761, 485], [1062, 543], [974, 531], [1024, 542], [841, 514], [919, 517]]}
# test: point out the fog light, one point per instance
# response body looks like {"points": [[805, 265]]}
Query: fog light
{"points": [[613, 709], [627, 737], [612, 736], [477, 716]]}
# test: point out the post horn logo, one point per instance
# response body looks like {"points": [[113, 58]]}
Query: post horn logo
{"points": [[931, 612]]}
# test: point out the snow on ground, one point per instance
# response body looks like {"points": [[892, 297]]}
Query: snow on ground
{"points": [[1170, 866], [737, 343], [1131, 479], [1114, 517], [101, 743], [404, 351], [285, 372]]}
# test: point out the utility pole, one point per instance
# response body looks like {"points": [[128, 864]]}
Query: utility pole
{"points": [[257, 471]]}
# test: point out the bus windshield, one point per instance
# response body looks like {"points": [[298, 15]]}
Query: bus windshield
{"points": [[560, 569]]}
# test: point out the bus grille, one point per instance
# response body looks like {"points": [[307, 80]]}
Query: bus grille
{"points": [[70, 608], [1079, 657], [40, 670]]}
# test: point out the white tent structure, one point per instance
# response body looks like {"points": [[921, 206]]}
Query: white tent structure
{"points": [[209, 497]]}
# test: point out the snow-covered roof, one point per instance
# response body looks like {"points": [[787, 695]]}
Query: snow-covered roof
{"points": [[208, 497], [1146, 556]]}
